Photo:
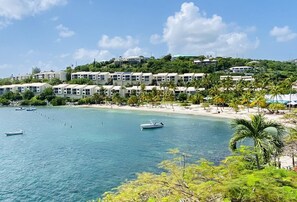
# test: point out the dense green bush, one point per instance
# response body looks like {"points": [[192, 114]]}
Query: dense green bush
{"points": [[233, 180]]}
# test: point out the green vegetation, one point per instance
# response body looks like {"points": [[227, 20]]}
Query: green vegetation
{"points": [[276, 69], [235, 179], [266, 137]]}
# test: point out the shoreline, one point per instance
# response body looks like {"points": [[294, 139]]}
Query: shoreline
{"points": [[196, 110]]}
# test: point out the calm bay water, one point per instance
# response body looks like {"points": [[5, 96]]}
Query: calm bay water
{"points": [[75, 154]]}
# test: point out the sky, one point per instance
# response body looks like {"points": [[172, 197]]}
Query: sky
{"points": [[55, 34]]}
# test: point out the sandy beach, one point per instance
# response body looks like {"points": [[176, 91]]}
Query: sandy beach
{"points": [[212, 111]]}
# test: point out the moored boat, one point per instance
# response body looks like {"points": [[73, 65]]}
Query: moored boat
{"points": [[31, 109], [151, 125], [20, 109], [19, 132]]}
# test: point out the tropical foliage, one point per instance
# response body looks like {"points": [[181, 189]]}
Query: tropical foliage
{"points": [[232, 180], [266, 137]]}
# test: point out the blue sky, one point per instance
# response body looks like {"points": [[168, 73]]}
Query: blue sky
{"points": [[54, 34]]}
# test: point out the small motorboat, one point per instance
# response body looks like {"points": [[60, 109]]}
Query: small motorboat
{"points": [[19, 132], [151, 125], [31, 109], [20, 109]]}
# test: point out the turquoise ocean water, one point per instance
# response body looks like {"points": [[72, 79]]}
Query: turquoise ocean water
{"points": [[76, 154]]}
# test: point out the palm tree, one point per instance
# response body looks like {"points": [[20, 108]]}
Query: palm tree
{"points": [[276, 92], [291, 144], [239, 87], [142, 94], [234, 103], [246, 98], [259, 100], [227, 84], [266, 141]]}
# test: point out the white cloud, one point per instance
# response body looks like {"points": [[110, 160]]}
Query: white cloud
{"points": [[134, 52], [88, 55], [117, 42], [17, 9], [190, 31], [283, 34], [156, 39], [64, 32]]}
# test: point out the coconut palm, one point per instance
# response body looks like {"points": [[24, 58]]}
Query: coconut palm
{"points": [[246, 98], [276, 92], [259, 100], [219, 100], [227, 84], [266, 141], [234, 103], [142, 93], [239, 87], [291, 144]]}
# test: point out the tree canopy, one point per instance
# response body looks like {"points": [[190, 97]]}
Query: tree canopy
{"points": [[232, 180]]}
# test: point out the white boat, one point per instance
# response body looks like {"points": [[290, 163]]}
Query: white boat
{"points": [[151, 125], [19, 132], [20, 109], [31, 109]]}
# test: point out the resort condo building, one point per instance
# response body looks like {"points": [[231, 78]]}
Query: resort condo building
{"points": [[237, 78], [80, 91], [36, 88], [241, 69], [135, 78], [48, 75], [51, 75]]}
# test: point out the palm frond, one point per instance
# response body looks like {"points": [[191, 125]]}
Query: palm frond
{"points": [[233, 141]]}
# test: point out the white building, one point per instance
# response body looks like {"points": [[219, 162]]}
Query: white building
{"points": [[83, 75], [241, 69], [36, 88], [172, 77], [160, 78], [93, 76], [147, 78], [129, 60], [133, 89], [21, 77], [136, 77], [107, 89], [117, 89], [8, 88], [89, 90], [103, 78], [51, 75], [116, 78], [192, 90], [59, 89], [180, 89], [238, 78], [189, 77]]}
